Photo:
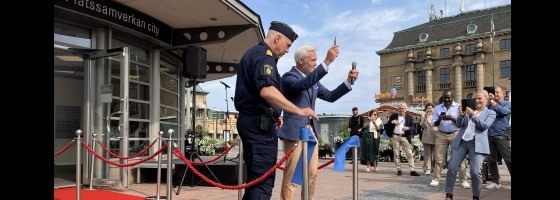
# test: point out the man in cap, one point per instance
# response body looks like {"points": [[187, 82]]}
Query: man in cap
{"points": [[259, 100]]}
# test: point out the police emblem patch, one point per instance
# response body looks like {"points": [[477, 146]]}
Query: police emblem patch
{"points": [[267, 70], [269, 52]]}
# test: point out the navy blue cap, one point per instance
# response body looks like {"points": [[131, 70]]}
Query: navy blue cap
{"points": [[354, 108], [284, 29]]}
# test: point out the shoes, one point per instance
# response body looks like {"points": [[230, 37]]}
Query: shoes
{"points": [[427, 173], [367, 170], [414, 173], [434, 183], [399, 173], [494, 186], [448, 196], [375, 170], [475, 198], [466, 185]]}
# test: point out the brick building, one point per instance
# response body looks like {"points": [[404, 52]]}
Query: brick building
{"points": [[452, 52]]}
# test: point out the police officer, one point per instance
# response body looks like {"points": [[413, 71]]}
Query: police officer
{"points": [[259, 100]]}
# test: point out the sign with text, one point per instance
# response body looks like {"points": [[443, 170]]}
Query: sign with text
{"points": [[116, 13]]}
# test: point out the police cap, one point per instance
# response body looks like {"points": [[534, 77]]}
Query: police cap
{"points": [[284, 29]]}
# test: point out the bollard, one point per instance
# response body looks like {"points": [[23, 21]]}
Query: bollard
{"points": [[92, 161], [170, 145], [240, 169], [78, 163], [355, 173], [303, 136], [158, 186]]}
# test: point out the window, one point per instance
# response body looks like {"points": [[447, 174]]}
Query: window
{"points": [[423, 37], [444, 75], [421, 81], [469, 49], [471, 28], [420, 55], [505, 43], [505, 68], [470, 72], [444, 53], [470, 77]]}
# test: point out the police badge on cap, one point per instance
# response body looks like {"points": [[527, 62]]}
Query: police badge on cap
{"points": [[284, 29]]}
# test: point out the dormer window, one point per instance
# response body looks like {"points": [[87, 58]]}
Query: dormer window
{"points": [[471, 28], [423, 37]]}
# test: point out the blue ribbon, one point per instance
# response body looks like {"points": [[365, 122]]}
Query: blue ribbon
{"points": [[340, 154], [304, 135]]}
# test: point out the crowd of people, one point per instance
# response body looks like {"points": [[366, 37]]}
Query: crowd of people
{"points": [[274, 107]]}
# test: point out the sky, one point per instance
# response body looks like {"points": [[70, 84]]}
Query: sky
{"points": [[361, 27]]}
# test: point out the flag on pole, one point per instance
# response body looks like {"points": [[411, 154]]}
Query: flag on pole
{"points": [[492, 30]]}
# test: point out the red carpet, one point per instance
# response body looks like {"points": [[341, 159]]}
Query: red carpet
{"points": [[70, 194]]}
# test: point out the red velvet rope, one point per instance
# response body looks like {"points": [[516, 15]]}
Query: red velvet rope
{"points": [[119, 164], [130, 157], [180, 152], [230, 187], [319, 167], [64, 149]]}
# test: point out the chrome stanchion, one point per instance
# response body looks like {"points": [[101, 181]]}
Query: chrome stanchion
{"points": [[240, 169], [94, 135], [170, 145], [303, 136], [78, 163], [355, 173], [158, 186]]}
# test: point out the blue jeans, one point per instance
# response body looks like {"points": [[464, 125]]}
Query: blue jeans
{"points": [[475, 163]]}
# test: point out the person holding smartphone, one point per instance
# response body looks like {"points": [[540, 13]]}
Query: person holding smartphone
{"points": [[444, 118]]}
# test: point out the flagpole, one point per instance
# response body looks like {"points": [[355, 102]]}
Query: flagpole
{"points": [[492, 33]]}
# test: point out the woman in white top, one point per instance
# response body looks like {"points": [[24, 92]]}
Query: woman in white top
{"points": [[370, 141]]}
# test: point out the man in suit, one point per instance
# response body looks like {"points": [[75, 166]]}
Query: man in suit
{"points": [[400, 128], [471, 140], [302, 87]]}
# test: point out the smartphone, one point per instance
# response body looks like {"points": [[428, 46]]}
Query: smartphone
{"points": [[442, 114], [467, 103], [464, 103]]}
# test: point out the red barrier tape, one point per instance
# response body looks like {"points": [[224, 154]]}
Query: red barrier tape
{"points": [[65, 148], [319, 167], [230, 187], [130, 157], [208, 161], [119, 164]]}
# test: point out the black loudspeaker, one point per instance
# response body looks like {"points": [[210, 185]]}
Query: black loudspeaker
{"points": [[194, 63]]}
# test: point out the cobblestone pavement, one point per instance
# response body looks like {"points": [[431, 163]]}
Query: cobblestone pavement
{"points": [[331, 185]]}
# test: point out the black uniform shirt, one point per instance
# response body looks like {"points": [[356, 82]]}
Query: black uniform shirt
{"points": [[256, 70]]}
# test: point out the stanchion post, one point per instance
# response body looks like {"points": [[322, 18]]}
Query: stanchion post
{"points": [[169, 164], [355, 173], [78, 163], [240, 169], [158, 186], [94, 135], [159, 165], [303, 136]]}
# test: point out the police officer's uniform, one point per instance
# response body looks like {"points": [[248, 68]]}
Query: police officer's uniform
{"points": [[256, 127]]}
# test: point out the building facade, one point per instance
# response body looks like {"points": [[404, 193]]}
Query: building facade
{"points": [[460, 52], [121, 69]]}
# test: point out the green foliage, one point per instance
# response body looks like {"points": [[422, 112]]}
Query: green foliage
{"points": [[343, 129]]}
